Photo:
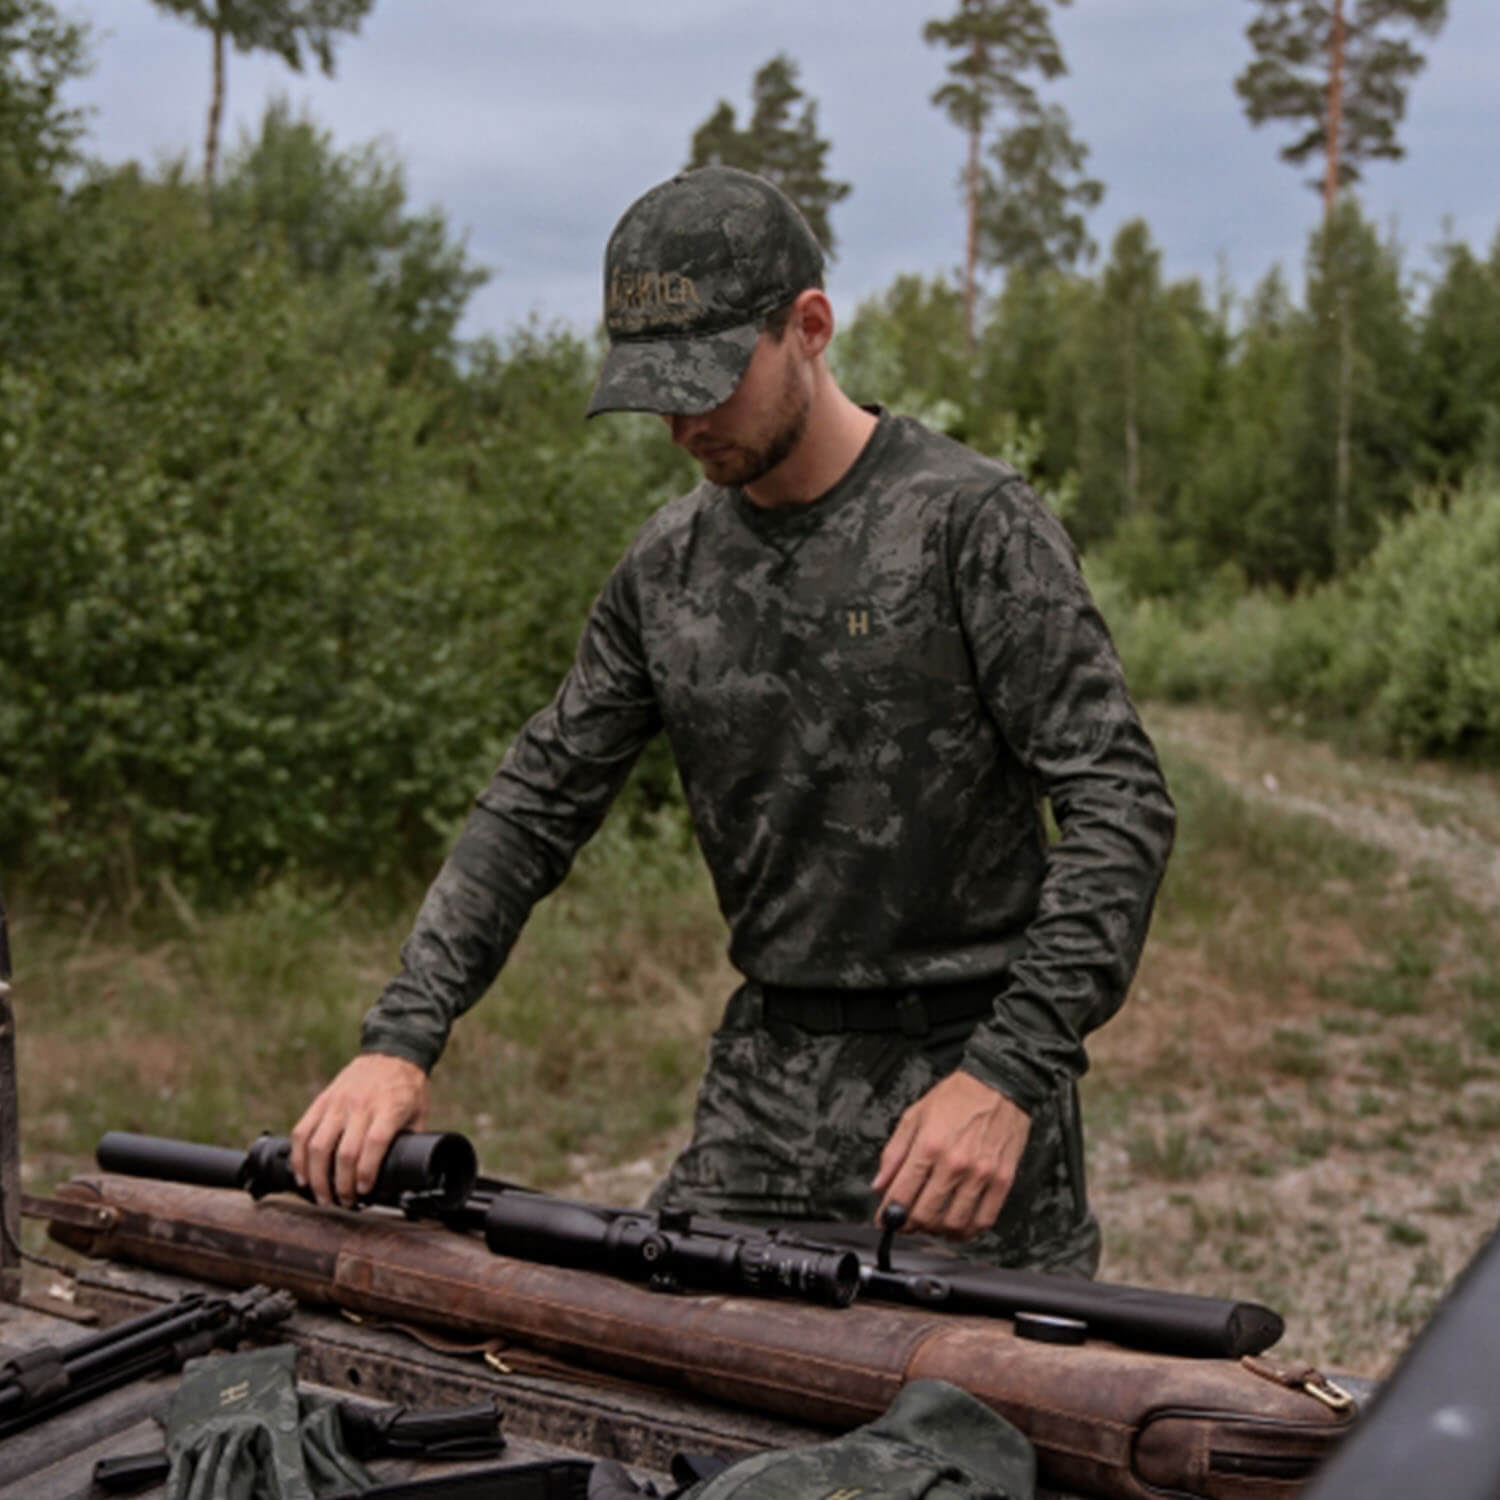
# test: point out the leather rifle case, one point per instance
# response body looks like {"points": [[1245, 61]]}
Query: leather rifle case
{"points": [[1104, 1420]]}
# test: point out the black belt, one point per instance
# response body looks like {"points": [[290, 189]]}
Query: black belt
{"points": [[914, 1011]]}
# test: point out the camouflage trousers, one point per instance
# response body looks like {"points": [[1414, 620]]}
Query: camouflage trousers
{"points": [[790, 1124]]}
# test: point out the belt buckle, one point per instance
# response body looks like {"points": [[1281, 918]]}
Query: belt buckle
{"points": [[911, 1014]]}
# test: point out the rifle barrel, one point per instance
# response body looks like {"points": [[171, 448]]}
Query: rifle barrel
{"points": [[172, 1161]]}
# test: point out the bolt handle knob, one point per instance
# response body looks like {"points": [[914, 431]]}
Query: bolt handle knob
{"points": [[891, 1220]]}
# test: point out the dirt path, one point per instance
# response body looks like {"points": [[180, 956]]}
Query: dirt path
{"points": [[1424, 812], [1303, 1104]]}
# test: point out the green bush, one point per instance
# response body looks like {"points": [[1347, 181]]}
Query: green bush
{"points": [[266, 605], [1406, 648], [1427, 614]]}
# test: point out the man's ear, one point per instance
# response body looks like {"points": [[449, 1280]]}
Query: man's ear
{"points": [[812, 318]]}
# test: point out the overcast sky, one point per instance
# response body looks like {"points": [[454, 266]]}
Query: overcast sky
{"points": [[533, 123]]}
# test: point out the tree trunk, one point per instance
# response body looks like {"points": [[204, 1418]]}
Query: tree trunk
{"points": [[215, 110], [1345, 398], [971, 251], [1335, 110]]}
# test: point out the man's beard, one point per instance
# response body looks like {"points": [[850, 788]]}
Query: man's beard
{"points": [[744, 463]]}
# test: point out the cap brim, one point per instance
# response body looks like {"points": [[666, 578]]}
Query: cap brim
{"points": [[685, 376]]}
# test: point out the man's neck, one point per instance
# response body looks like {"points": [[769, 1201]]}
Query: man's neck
{"points": [[837, 431]]}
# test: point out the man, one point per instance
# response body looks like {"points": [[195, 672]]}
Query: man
{"points": [[872, 653]]}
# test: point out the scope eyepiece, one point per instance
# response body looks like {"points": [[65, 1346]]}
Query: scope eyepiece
{"points": [[440, 1166]]}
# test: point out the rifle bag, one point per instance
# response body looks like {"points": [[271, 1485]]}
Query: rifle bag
{"points": [[1104, 1420]]}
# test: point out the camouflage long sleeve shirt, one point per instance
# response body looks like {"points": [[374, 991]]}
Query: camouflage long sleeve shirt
{"points": [[867, 698]]}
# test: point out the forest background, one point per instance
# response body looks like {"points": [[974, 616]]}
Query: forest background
{"points": [[285, 562]]}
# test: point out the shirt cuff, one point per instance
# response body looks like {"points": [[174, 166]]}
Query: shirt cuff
{"points": [[993, 1062], [402, 1045]]}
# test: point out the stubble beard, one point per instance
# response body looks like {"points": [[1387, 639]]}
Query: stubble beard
{"points": [[746, 463]]}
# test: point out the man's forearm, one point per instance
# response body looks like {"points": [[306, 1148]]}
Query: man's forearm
{"points": [[469, 920], [1085, 940]]}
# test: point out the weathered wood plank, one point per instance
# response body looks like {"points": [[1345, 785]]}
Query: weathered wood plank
{"points": [[70, 1477], [85, 1428]]}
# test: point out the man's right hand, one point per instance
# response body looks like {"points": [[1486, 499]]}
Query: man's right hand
{"points": [[339, 1144]]}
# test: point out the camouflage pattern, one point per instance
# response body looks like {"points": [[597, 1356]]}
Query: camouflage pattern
{"points": [[935, 1441], [239, 1429], [867, 698], [232, 1429], [790, 1125], [690, 273]]}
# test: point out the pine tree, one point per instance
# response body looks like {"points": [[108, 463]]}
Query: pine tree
{"points": [[1131, 287], [1028, 219], [1031, 216], [781, 143], [1019, 345], [1340, 70], [284, 27], [1459, 361], [1140, 351], [1359, 376], [1251, 505]]}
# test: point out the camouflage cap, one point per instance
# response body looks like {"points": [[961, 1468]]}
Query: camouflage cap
{"points": [[690, 273]]}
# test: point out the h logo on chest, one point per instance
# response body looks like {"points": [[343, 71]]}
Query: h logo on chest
{"points": [[858, 621]]}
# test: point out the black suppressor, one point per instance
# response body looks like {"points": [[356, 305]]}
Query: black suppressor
{"points": [[666, 1249], [1137, 1317], [429, 1168]]}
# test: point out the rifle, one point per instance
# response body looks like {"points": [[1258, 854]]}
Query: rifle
{"points": [[674, 1249]]}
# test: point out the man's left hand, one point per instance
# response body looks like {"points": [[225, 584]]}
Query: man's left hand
{"points": [[952, 1158]]}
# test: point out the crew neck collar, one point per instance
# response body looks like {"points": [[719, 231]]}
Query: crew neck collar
{"points": [[808, 513]]}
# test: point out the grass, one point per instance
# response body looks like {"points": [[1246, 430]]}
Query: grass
{"points": [[1300, 1103], [215, 1028], [1311, 1044]]}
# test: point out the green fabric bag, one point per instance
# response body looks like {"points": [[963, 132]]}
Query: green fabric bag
{"points": [[935, 1442]]}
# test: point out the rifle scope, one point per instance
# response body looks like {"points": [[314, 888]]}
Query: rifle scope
{"points": [[666, 1250], [437, 1168]]}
